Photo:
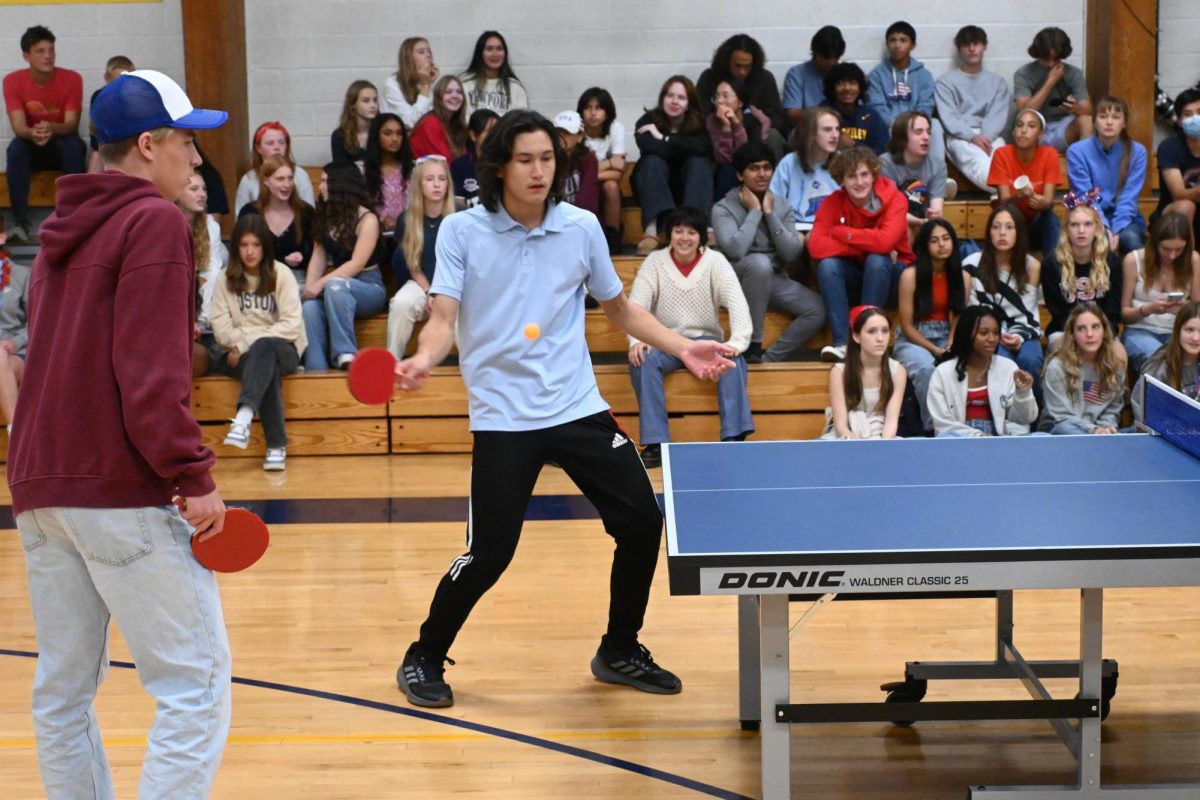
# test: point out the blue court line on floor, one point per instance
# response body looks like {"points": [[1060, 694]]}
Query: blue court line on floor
{"points": [[389, 509], [474, 727]]}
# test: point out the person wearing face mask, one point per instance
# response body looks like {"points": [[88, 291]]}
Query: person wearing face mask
{"points": [[1179, 163]]}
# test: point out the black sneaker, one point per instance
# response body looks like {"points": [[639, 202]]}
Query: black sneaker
{"points": [[754, 353], [420, 676], [634, 668], [652, 456]]}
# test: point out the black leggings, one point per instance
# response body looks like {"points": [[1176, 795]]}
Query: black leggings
{"points": [[602, 461]]}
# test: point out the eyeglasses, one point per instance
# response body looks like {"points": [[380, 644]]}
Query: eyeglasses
{"points": [[430, 157]]}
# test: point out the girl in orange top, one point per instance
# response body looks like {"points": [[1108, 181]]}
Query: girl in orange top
{"points": [[1027, 174]]}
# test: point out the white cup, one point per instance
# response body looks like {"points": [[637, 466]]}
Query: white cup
{"points": [[1022, 183]]}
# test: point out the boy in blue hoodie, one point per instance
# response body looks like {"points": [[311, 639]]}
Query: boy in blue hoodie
{"points": [[901, 83]]}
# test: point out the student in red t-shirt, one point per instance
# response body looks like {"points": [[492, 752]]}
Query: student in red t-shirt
{"points": [[43, 105], [1026, 173]]}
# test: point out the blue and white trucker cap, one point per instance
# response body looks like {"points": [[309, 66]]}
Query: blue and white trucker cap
{"points": [[143, 100]]}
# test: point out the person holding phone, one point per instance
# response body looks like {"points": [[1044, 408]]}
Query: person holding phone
{"points": [[1158, 280]]}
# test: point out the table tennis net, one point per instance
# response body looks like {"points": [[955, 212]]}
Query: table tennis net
{"points": [[1173, 415]]}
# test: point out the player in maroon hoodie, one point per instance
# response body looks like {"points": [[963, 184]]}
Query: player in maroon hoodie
{"points": [[859, 240], [103, 439]]}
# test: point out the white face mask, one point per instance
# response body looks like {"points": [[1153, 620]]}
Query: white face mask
{"points": [[1191, 127]]}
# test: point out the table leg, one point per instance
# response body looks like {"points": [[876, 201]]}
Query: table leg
{"points": [[1091, 657], [775, 689], [748, 692]]}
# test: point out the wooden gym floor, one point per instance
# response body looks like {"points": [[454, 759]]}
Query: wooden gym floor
{"points": [[319, 626]]}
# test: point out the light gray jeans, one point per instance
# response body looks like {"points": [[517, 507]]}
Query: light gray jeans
{"points": [[134, 565]]}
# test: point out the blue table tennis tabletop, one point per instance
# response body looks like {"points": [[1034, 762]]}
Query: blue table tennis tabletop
{"points": [[956, 497]]}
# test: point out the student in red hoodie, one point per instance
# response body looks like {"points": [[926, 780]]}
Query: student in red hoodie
{"points": [[110, 320], [859, 240]]}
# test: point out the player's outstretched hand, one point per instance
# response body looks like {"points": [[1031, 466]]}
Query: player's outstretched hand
{"points": [[706, 358], [411, 373]]}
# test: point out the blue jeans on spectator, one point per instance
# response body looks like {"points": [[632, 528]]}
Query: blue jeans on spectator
{"points": [[658, 182], [845, 282], [1028, 358], [136, 566], [1132, 236], [732, 398], [67, 153], [1070, 427], [329, 320], [1043, 232], [918, 361], [1140, 344]]}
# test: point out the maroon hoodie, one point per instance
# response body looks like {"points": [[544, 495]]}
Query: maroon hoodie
{"points": [[104, 418]]}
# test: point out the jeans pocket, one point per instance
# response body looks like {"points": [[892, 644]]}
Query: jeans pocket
{"points": [[31, 533], [112, 536]]}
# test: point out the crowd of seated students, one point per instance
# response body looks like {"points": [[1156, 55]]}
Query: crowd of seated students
{"points": [[787, 185]]}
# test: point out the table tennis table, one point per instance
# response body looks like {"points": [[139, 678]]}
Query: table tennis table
{"points": [[937, 517]]}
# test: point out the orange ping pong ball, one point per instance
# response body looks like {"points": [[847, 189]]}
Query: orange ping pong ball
{"points": [[533, 331]]}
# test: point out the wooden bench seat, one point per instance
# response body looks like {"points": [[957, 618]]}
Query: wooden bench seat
{"points": [[41, 190], [788, 401]]}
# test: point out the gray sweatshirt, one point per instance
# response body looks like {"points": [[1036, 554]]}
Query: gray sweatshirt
{"points": [[969, 105], [1156, 367], [1099, 408], [13, 318], [741, 231]]}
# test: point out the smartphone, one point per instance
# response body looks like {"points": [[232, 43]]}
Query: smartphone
{"points": [[1056, 101], [1175, 297]]}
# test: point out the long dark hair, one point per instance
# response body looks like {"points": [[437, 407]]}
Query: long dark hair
{"points": [[1017, 268], [923, 294], [693, 119], [373, 160], [1171, 353], [454, 122], [605, 99], [962, 343], [852, 383], [805, 135], [746, 44], [477, 69], [498, 151], [337, 215], [235, 273]]}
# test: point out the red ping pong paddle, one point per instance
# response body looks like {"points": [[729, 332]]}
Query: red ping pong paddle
{"points": [[239, 545], [372, 376]]}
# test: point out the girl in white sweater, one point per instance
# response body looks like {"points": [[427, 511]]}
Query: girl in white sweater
{"points": [[257, 319], [685, 286], [974, 393]]}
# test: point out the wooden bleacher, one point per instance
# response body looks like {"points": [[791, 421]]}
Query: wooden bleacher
{"points": [[323, 419]]}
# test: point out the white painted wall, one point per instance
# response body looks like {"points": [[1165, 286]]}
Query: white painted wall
{"points": [[1178, 45], [88, 35], [301, 54]]}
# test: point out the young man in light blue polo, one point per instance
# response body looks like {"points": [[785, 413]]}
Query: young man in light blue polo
{"points": [[518, 260]]}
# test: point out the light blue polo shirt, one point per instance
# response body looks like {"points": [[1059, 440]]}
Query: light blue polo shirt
{"points": [[506, 277]]}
